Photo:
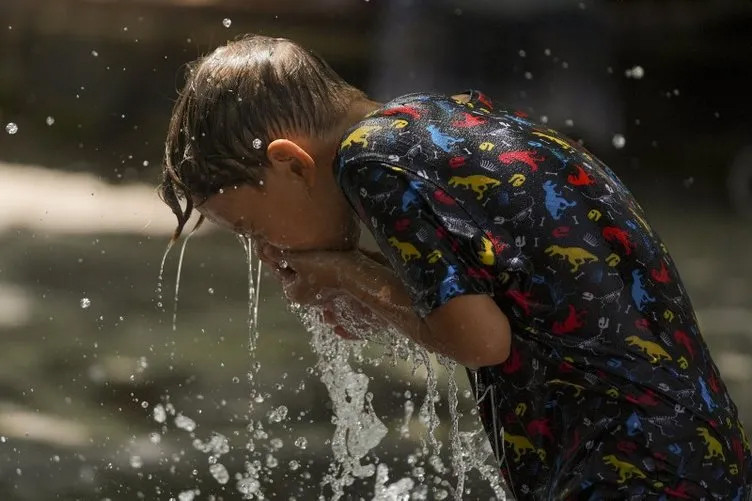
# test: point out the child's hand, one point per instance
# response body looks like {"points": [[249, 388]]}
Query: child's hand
{"points": [[310, 277]]}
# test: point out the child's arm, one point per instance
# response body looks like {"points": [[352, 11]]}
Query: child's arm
{"points": [[470, 328]]}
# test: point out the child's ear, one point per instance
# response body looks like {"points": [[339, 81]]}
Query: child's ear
{"points": [[288, 156]]}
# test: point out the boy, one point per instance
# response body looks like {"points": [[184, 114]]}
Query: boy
{"points": [[508, 247]]}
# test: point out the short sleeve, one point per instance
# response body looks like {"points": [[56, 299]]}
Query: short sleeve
{"points": [[438, 256]]}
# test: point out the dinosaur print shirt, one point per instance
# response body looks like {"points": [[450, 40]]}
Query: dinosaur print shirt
{"points": [[609, 390]]}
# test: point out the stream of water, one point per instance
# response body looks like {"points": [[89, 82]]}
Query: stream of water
{"points": [[358, 430]]}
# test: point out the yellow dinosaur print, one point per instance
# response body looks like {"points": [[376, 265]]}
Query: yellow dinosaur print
{"points": [[360, 136], [479, 184], [556, 140], [407, 250], [624, 469], [713, 445], [521, 445], [651, 349], [486, 254], [578, 388], [434, 256], [577, 256], [520, 409]]}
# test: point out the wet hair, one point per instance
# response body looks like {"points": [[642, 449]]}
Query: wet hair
{"points": [[235, 101]]}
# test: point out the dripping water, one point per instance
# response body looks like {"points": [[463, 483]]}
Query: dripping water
{"points": [[177, 281], [160, 278]]}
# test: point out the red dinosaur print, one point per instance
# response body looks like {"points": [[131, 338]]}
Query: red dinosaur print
{"points": [[713, 382], [683, 339], [647, 398], [572, 322], [402, 224], [612, 233], [407, 110], [479, 273], [469, 121], [642, 324], [560, 231], [738, 448], [521, 114], [530, 158], [442, 197], [679, 492], [513, 363], [575, 445], [498, 245], [483, 99], [540, 427], [661, 275], [522, 299], [626, 446], [456, 162], [582, 178], [565, 366], [441, 232]]}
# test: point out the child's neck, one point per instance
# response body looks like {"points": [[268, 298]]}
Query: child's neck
{"points": [[357, 112]]}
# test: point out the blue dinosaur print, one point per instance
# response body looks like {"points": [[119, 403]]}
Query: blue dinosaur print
{"points": [[555, 203], [449, 286], [634, 425], [706, 395], [447, 106], [410, 196], [639, 295], [443, 141]]}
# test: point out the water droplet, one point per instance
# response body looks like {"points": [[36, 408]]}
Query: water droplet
{"points": [[50, 121], [278, 414], [219, 472], [294, 465], [159, 414], [283, 264], [227, 22], [528, 75], [619, 141], [155, 437], [235, 379], [256, 144], [136, 462], [186, 496], [247, 486], [144, 404], [522, 53], [11, 128], [301, 442], [636, 72], [185, 423], [95, 53], [211, 290], [85, 302]]}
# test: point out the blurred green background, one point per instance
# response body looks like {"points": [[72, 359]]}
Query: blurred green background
{"points": [[89, 84]]}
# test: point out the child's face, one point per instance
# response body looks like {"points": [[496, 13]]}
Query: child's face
{"points": [[298, 207]]}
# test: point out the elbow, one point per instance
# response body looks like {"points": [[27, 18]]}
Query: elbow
{"points": [[495, 353]]}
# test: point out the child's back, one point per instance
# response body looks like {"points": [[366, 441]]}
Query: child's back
{"points": [[608, 378]]}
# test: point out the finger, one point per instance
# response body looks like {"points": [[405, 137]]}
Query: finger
{"points": [[330, 317]]}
